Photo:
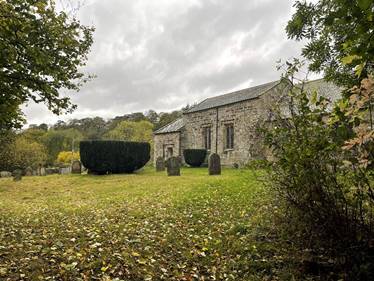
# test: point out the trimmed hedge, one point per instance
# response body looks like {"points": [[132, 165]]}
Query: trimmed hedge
{"points": [[102, 157], [194, 157]]}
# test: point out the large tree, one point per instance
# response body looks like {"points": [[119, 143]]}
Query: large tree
{"points": [[42, 51], [132, 131], [339, 35]]}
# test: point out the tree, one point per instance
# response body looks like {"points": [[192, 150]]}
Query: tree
{"points": [[91, 128], [7, 138], [34, 134], [340, 38], [42, 51], [166, 118], [132, 131], [56, 141], [27, 154], [19, 152]]}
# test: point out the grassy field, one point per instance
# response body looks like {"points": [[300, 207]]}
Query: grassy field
{"points": [[144, 226]]}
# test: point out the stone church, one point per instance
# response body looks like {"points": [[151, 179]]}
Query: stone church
{"points": [[226, 124]]}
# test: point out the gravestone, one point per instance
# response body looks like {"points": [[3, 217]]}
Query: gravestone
{"points": [[160, 164], [214, 164], [17, 175], [28, 172], [5, 174], [65, 170], [173, 166], [42, 171], [38, 170], [76, 167]]}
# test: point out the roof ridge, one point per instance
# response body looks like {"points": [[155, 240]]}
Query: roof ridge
{"points": [[234, 92]]}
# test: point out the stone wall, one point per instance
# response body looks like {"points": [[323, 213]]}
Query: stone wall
{"points": [[245, 117], [164, 143]]}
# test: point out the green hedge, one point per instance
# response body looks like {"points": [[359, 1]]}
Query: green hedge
{"points": [[102, 157], [194, 157]]}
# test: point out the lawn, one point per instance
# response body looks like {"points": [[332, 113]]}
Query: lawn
{"points": [[144, 226]]}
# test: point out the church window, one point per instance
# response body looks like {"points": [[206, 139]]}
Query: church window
{"points": [[207, 138], [229, 136]]}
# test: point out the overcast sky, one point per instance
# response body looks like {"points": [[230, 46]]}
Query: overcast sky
{"points": [[165, 54]]}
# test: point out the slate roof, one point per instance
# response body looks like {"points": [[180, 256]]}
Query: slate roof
{"points": [[234, 97], [326, 89], [172, 127]]}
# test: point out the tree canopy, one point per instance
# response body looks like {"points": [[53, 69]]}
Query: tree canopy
{"points": [[339, 35], [42, 52]]}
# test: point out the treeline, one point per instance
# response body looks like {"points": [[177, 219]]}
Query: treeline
{"points": [[58, 144]]}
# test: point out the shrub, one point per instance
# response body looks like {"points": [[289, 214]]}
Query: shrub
{"points": [[194, 157], [115, 157], [66, 157], [322, 171]]}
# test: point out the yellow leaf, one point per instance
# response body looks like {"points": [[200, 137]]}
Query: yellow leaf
{"points": [[349, 59]]}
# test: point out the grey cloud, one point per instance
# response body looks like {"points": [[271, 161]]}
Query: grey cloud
{"points": [[164, 54]]}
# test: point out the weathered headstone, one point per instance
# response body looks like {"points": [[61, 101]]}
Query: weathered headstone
{"points": [[173, 166], [5, 174], [214, 164], [28, 172], [65, 170], [42, 171], [76, 167], [17, 175], [160, 164]]}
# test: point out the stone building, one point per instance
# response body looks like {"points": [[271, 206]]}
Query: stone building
{"points": [[227, 124]]}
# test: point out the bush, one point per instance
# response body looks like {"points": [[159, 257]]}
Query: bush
{"points": [[194, 157], [66, 157], [115, 157], [322, 169]]}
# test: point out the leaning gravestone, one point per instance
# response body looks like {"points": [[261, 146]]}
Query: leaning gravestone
{"points": [[160, 164], [214, 164], [17, 175], [173, 166], [5, 174], [76, 167], [28, 172]]}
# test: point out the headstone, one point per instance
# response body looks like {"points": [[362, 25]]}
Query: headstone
{"points": [[76, 167], [28, 172], [173, 166], [42, 171], [160, 164], [214, 164], [5, 174], [65, 170], [38, 170], [17, 175]]}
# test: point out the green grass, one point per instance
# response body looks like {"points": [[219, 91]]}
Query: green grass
{"points": [[144, 226]]}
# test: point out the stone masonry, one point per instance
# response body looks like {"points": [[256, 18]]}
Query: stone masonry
{"points": [[243, 110]]}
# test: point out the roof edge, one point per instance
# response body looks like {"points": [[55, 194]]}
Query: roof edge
{"points": [[272, 87], [158, 131]]}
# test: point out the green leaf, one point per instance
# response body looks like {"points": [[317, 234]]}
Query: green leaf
{"points": [[359, 69], [313, 98], [364, 4]]}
